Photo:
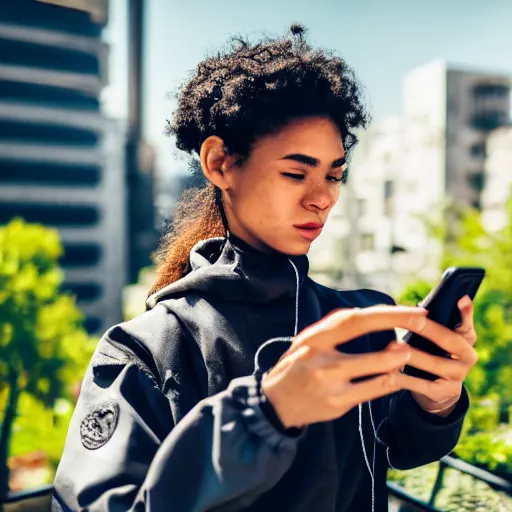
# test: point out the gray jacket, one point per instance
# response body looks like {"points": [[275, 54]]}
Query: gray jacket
{"points": [[171, 417]]}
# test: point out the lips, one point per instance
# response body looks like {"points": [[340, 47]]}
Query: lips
{"points": [[310, 225], [309, 231]]}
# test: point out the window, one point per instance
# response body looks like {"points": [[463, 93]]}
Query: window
{"points": [[367, 242], [93, 324], [41, 173], [388, 189], [53, 17], [50, 214], [477, 150], [490, 106], [84, 292], [362, 207], [47, 57], [477, 180], [489, 120], [388, 197], [47, 134], [495, 91], [80, 255], [48, 96]]}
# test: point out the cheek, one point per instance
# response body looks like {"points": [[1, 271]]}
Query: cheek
{"points": [[267, 202], [333, 194], [336, 195]]}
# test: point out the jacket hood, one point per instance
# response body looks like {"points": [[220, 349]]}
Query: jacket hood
{"points": [[231, 268]]}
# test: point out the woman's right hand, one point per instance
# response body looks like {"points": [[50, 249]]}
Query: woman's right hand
{"points": [[313, 382]]}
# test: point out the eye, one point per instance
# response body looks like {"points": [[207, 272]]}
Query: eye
{"points": [[297, 177], [342, 178]]}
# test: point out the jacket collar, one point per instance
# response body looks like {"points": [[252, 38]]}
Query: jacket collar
{"points": [[235, 271]]}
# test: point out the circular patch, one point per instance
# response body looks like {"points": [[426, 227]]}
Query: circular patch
{"points": [[97, 428]]}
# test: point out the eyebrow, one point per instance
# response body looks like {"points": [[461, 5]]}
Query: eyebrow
{"points": [[312, 161]]}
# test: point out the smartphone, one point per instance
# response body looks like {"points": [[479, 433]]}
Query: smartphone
{"points": [[441, 304]]}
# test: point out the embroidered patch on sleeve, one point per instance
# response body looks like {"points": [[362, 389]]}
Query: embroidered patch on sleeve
{"points": [[97, 428]]}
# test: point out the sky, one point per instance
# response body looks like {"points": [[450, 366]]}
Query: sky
{"points": [[380, 39]]}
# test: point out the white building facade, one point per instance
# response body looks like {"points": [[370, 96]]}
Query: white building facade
{"points": [[405, 171], [498, 179]]}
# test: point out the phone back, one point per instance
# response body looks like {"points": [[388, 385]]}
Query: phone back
{"points": [[441, 303]]}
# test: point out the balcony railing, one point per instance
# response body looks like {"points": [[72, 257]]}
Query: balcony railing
{"points": [[39, 500]]}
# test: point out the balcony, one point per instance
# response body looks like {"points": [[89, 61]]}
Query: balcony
{"points": [[399, 500]]}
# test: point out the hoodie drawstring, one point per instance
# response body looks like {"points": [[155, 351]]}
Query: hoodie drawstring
{"points": [[296, 298], [361, 434]]}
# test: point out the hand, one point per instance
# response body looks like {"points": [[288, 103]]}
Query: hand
{"points": [[442, 395], [313, 382]]}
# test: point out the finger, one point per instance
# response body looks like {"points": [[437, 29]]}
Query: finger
{"points": [[344, 325], [425, 387], [467, 328], [307, 333], [368, 390], [450, 341], [352, 366], [449, 369], [469, 335]]}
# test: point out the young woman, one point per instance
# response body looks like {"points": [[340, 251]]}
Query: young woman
{"points": [[246, 385]]}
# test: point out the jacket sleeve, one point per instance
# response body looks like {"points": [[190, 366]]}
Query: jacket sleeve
{"points": [[411, 436], [415, 437], [124, 451]]}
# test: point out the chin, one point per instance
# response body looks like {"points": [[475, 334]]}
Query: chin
{"points": [[293, 247]]}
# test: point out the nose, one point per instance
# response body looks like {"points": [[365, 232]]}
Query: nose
{"points": [[318, 198]]}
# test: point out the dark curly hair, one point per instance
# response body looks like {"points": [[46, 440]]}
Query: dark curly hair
{"points": [[239, 94]]}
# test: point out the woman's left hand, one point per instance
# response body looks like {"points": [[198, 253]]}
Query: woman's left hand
{"points": [[441, 396]]}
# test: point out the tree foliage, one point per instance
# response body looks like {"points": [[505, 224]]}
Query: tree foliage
{"points": [[486, 440], [470, 244], [44, 348]]}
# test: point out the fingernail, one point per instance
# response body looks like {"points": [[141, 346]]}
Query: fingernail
{"points": [[465, 302]]}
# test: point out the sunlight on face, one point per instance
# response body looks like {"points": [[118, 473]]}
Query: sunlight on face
{"points": [[290, 179]]}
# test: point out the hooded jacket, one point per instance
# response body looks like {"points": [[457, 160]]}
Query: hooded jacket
{"points": [[171, 416]]}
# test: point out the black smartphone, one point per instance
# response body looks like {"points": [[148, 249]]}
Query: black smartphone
{"points": [[441, 304]]}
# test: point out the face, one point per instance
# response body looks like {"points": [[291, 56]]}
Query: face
{"points": [[282, 194]]}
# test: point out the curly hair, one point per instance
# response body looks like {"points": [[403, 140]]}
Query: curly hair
{"points": [[241, 93]]}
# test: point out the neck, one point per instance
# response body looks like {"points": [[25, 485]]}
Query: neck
{"points": [[255, 243]]}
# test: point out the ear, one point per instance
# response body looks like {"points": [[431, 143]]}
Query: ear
{"points": [[215, 162]]}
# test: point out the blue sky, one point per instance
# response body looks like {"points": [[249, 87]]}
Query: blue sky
{"points": [[381, 39]]}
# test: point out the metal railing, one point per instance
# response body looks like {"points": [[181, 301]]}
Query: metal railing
{"points": [[409, 502], [406, 502], [34, 500], [494, 481], [17, 496], [37, 500]]}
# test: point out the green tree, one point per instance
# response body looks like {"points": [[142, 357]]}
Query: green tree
{"points": [[43, 346], [470, 244], [486, 439]]}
